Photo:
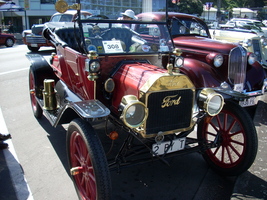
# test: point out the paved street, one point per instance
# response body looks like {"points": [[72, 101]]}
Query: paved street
{"points": [[41, 151]]}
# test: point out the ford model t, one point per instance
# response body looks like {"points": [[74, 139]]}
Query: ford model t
{"points": [[106, 72]]}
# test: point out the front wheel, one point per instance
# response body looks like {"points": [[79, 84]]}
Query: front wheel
{"points": [[9, 42], [87, 161], [233, 133], [36, 108]]}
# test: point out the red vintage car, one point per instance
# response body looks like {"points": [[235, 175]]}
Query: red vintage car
{"points": [[220, 65], [141, 91], [7, 39]]}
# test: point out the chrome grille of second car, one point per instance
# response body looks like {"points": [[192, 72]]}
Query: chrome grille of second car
{"points": [[237, 67], [35, 40], [164, 115]]}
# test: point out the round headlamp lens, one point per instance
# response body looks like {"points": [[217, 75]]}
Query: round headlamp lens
{"points": [[263, 41], [134, 112], [179, 61], [252, 58], [94, 66], [247, 42], [210, 101], [135, 115], [214, 105], [218, 60]]}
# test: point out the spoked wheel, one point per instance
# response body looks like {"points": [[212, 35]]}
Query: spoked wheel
{"points": [[234, 134], [88, 163], [36, 108]]}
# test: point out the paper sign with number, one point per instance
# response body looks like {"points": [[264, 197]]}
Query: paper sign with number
{"points": [[112, 46]]}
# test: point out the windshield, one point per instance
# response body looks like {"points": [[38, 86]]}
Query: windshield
{"points": [[110, 38], [188, 27], [124, 32]]}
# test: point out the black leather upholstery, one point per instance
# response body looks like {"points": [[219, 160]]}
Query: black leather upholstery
{"points": [[70, 37]]}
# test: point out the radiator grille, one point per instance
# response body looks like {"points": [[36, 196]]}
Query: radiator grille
{"points": [[237, 67], [172, 117]]}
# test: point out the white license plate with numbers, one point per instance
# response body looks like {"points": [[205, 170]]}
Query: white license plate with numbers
{"points": [[248, 102], [168, 146]]}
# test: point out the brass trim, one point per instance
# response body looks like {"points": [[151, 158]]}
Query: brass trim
{"points": [[126, 102], [109, 85], [165, 82], [62, 6], [144, 135], [161, 82], [49, 95]]}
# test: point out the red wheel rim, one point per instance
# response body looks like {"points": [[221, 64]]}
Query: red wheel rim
{"points": [[230, 134], [79, 157], [32, 93]]}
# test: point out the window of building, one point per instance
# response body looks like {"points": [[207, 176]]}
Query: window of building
{"points": [[48, 1]]}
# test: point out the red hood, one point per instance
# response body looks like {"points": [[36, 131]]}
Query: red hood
{"points": [[204, 44]]}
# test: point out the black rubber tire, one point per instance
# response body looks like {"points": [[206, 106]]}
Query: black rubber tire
{"points": [[9, 42], [36, 108], [237, 140], [83, 142], [34, 49]]}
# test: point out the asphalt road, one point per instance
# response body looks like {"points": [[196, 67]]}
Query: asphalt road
{"points": [[41, 151]]}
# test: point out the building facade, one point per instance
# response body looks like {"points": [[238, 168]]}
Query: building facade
{"points": [[40, 11]]}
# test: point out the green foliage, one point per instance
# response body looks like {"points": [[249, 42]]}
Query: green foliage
{"points": [[229, 4], [190, 6], [196, 6]]}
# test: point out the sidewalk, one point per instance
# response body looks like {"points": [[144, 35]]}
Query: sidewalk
{"points": [[12, 181]]}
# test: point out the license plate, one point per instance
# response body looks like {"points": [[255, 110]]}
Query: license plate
{"points": [[34, 45], [248, 102], [168, 147]]}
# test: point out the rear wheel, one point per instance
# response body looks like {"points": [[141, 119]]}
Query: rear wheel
{"points": [[235, 136], [87, 160], [36, 108]]}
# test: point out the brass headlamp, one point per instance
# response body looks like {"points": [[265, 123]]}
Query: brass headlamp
{"points": [[92, 66], [134, 112], [179, 60]]}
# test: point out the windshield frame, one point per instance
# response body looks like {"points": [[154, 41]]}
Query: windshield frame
{"points": [[62, 6], [164, 36]]}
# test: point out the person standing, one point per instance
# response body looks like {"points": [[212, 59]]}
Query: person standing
{"points": [[10, 27], [128, 15]]}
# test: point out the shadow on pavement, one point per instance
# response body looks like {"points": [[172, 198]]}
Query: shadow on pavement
{"points": [[250, 186], [12, 182], [57, 137]]}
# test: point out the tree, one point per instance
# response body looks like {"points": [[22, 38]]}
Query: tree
{"points": [[229, 4], [190, 6]]}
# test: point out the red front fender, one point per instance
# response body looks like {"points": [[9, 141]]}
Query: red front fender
{"points": [[201, 74]]}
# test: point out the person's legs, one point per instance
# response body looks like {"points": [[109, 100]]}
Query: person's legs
{"points": [[2, 139]]}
